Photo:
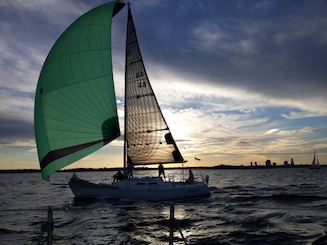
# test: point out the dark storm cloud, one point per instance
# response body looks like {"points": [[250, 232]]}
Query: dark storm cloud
{"points": [[15, 129], [278, 48]]}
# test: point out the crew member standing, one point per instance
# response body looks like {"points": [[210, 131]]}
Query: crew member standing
{"points": [[161, 170]]}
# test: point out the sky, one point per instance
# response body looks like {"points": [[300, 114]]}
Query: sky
{"points": [[237, 81]]}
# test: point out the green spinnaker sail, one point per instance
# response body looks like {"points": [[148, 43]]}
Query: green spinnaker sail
{"points": [[75, 104]]}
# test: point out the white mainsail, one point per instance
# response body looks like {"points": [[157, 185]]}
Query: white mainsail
{"points": [[148, 139]]}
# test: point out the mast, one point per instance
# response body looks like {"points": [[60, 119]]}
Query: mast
{"points": [[125, 92], [314, 159]]}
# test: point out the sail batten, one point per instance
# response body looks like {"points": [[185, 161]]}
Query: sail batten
{"points": [[75, 103], [148, 138]]}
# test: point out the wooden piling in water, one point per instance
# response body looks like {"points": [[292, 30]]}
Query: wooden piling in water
{"points": [[50, 225], [172, 212], [171, 226]]}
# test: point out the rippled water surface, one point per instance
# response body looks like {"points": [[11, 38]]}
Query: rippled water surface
{"points": [[253, 206]]}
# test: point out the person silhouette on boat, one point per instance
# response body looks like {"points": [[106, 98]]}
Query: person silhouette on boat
{"points": [[161, 170], [190, 177], [118, 177], [129, 169]]}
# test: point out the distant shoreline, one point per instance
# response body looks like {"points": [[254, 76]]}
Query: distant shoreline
{"points": [[222, 167]]}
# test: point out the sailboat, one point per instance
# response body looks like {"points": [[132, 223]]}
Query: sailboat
{"points": [[315, 162], [76, 112]]}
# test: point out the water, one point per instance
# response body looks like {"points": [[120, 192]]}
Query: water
{"points": [[263, 206]]}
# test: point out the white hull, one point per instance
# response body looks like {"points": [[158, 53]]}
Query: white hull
{"points": [[144, 188]]}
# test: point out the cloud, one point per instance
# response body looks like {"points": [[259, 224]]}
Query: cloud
{"points": [[46, 9], [188, 88], [146, 4], [271, 48], [303, 28], [254, 61], [16, 132], [24, 50], [211, 38], [303, 114], [272, 131]]}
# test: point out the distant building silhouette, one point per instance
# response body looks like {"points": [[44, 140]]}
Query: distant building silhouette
{"points": [[268, 163], [286, 163], [274, 164]]}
